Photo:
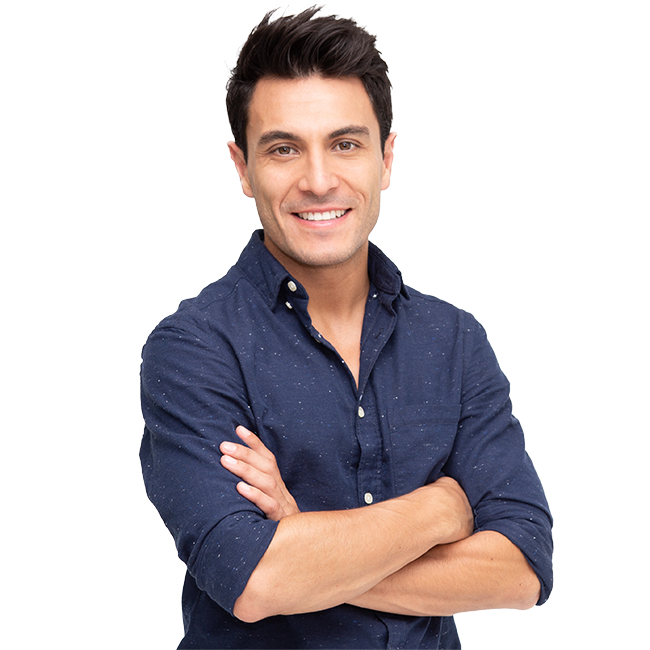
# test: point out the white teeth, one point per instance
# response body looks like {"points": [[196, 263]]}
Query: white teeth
{"points": [[321, 216]]}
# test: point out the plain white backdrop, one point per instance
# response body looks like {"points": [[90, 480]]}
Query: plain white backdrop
{"points": [[70, 340], [468, 216]]}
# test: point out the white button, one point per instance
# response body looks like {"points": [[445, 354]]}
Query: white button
{"points": [[361, 412], [288, 304], [292, 285], [367, 497]]}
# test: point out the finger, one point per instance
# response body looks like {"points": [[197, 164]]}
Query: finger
{"points": [[253, 442], [253, 476], [249, 456], [265, 503]]}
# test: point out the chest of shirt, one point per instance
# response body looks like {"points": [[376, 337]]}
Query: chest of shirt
{"points": [[339, 446]]}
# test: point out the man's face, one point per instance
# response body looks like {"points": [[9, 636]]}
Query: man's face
{"points": [[315, 168]]}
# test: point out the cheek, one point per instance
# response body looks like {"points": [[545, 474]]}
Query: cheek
{"points": [[272, 188], [370, 174]]}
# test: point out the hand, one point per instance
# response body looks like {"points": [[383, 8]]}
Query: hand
{"points": [[261, 482]]}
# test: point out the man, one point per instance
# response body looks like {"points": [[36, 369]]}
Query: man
{"points": [[333, 452]]}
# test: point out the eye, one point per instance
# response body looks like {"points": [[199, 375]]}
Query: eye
{"points": [[285, 150], [346, 145]]}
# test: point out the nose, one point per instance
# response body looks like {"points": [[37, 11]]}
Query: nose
{"points": [[318, 174]]}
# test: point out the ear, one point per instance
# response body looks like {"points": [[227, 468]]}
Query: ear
{"points": [[388, 160], [237, 156]]}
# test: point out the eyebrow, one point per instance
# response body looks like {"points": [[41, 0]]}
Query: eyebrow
{"points": [[274, 136], [350, 130]]}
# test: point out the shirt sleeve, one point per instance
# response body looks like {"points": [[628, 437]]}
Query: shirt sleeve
{"points": [[193, 396], [490, 462]]}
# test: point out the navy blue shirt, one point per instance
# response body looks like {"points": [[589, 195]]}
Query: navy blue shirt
{"points": [[431, 401]]}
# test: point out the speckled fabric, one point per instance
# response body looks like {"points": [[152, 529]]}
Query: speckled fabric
{"points": [[431, 400]]}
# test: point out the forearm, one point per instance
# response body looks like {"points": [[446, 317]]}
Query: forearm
{"points": [[318, 560], [484, 571]]}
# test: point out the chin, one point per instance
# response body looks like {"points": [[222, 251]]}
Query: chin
{"points": [[326, 258]]}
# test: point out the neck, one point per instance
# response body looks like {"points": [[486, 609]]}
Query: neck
{"points": [[337, 300], [334, 291]]}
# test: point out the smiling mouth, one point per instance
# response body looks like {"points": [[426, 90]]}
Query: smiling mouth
{"points": [[321, 216]]}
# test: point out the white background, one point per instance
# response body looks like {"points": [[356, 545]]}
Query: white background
{"points": [[520, 193]]}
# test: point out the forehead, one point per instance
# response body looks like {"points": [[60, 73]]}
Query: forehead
{"points": [[309, 106]]}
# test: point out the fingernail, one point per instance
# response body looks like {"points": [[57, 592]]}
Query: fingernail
{"points": [[229, 461], [244, 487], [229, 447]]}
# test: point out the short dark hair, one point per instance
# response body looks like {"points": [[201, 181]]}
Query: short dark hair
{"points": [[293, 47]]}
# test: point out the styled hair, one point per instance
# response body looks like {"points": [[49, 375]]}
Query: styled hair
{"points": [[294, 47]]}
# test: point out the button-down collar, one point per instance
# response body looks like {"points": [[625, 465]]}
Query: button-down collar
{"points": [[272, 279]]}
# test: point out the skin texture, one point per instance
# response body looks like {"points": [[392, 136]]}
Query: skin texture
{"points": [[314, 146]]}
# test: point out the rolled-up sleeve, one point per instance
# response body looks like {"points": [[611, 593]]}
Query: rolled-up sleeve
{"points": [[490, 462], [193, 397]]}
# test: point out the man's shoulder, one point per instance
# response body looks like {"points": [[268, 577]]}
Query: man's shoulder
{"points": [[416, 304], [419, 298], [429, 321], [210, 306], [428, 306]]}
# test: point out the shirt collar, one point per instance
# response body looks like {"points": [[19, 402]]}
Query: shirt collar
{"points": [[384, 274], [258, 264]]}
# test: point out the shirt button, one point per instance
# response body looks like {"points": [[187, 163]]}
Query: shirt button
{"points": [[292, 285], [288, 304], [361, 412], [367, 497]]}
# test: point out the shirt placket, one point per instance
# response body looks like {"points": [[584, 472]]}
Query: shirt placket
{"points": [[378, 326], [379, 322]]}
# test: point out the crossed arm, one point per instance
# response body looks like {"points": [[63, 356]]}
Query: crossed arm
{"points": [[414, 555]]}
